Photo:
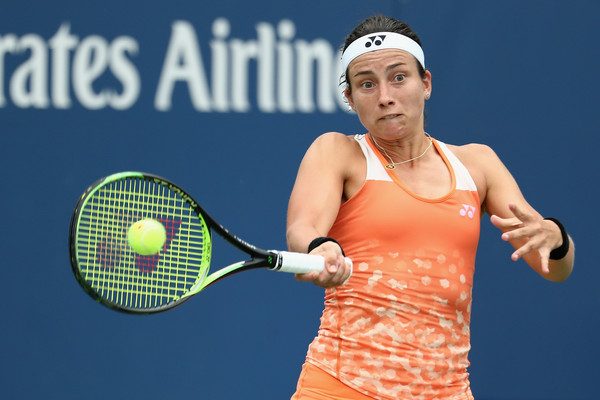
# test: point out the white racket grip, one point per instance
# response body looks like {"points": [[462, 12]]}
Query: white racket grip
{"points": [[301, 263]]}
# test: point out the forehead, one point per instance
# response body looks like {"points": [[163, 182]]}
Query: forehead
{"points": [[378, 59]]}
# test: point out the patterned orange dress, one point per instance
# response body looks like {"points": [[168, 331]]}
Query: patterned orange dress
{"points": [[399, 327]]}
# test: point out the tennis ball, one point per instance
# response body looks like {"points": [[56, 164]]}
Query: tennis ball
{"points": [[146, 236]]}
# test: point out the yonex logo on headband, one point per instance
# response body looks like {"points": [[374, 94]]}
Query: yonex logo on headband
{"points": [[382, 41], [375, 41]]}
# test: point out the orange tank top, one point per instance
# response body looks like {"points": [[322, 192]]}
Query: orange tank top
{"points": [[399, 328]]}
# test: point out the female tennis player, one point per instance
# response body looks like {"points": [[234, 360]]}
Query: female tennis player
{"points": [[406, 208]]}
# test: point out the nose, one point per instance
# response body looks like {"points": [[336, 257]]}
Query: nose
{"points": [[385, 96]]}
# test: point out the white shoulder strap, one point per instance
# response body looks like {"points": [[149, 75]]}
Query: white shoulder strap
{"points": [[464, 181], [375, 170]]}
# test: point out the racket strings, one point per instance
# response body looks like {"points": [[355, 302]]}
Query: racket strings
{"points": [[120, 275]]}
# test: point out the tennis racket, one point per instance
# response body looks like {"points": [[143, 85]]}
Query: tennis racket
{"points": [[115, 275]]}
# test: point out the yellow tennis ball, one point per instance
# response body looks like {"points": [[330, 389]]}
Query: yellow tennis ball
{"points": [[146, 237]]}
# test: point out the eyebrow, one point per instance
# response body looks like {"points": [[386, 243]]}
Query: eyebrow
{"points": [[387, 69]]}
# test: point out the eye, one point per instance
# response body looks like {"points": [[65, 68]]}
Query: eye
{"points": [[399, 77], [367, 85]]}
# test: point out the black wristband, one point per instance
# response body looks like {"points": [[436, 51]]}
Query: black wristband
{"points": [[561, 251], [320, 240]]}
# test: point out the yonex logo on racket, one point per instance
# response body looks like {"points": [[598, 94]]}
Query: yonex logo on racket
{"points": [[376, 40]]}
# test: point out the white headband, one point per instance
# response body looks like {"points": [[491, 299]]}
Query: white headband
{"points": [[381, 41]]}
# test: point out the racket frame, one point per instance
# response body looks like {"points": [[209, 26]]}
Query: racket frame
{"points": [[259, 258]]}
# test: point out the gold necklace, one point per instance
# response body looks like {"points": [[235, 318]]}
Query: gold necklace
{"points": [[392, 164]]}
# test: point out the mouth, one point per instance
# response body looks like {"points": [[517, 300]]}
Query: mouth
{"points": [[390, 116]]}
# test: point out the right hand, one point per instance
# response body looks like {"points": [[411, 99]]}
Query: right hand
{"points": [[336, 271]]}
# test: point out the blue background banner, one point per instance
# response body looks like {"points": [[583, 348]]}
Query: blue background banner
{"points": [[224, 98]]}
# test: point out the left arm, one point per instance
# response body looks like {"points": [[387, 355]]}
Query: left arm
{"points": [[532, 236]]}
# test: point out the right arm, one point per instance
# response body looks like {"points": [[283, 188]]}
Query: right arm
{"points": [[315, 202]]}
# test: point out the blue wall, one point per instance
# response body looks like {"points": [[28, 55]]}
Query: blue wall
{"points": [[518, 75]]}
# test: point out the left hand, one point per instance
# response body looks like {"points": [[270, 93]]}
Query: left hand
{"points": [[530, 232]]}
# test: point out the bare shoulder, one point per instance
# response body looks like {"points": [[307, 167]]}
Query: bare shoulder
{"points": [[474, 153], [334, 148], [478, 158], [336, 158], [482, 163], [335, 140]]}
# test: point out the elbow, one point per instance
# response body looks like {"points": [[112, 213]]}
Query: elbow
{"points": [[558, 278]]}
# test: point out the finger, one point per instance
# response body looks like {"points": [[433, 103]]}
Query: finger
{"points": [[308, 277], [505, 223], [332, 267], [535, 244], [522, 232], [348, 268], [518, 212], [331, 276], [544, 258], [324, 280], [531, 245], [514, 256], [342, 271], [334, 274], [545, 262]]}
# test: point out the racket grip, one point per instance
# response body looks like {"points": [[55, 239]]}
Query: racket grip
{"points": [[301, 263]]}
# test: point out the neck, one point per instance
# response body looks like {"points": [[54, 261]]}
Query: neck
{"points": [[397, 155]]}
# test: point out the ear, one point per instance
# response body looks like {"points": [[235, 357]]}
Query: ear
{"points": [[348, 95], [427, 87]]}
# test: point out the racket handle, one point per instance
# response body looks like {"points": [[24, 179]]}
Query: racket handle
{"points": [[301, 263]]}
